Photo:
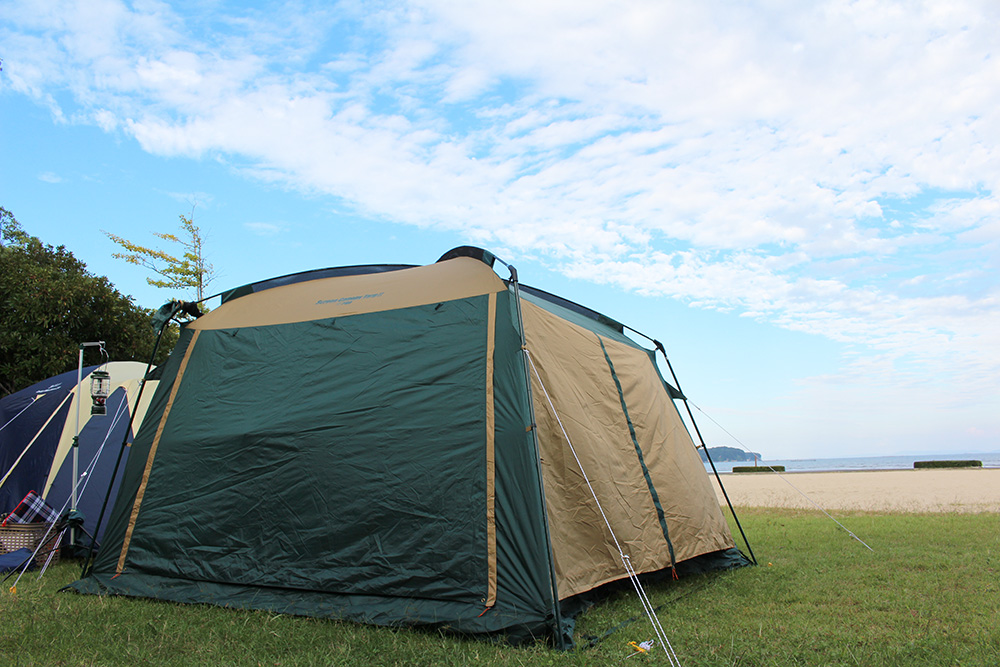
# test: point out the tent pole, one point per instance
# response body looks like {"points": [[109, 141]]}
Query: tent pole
{"points": [[87, 562], [556, 610], [76, 438], [76, 431], [694, 423]]}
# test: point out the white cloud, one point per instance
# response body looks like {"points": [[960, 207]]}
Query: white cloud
{"points": [[265, 228], [828, 167]]}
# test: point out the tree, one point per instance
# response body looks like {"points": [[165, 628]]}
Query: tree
{"points": [[50, 303], [10, 230], [191, 269]]}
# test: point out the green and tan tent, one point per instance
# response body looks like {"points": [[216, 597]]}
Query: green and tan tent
{"points": [[408, 445]]}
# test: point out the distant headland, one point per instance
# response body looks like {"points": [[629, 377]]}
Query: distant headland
{"points": [[728, 454]]}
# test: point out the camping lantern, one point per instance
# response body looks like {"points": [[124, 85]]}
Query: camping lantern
{"points": [[100, 389]]}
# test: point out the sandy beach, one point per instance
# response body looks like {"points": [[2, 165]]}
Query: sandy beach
{"points": [[940, 490]]}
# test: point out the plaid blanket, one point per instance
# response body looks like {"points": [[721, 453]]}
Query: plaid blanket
{"points": [[31, 510]]}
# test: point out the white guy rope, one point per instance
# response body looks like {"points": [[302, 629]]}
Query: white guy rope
{"points": [[85, 475], [28, 446], [632, 575], [782, 477], [119, 413], [11, 420], [647, 605]]}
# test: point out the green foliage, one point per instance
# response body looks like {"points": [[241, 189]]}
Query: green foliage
{"points": [[719, 454], [968, 463], [190, 270], [929, 595], [10, 229], [49, 304], [760, 468]]}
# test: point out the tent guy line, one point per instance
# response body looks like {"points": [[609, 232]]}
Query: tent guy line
{"points": [[37, 435], [82, 482], [36, 446], [784, 479], [11, 420], [626, 562]]}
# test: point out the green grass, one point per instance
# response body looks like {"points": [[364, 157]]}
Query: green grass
{"points": [[928, 595]]}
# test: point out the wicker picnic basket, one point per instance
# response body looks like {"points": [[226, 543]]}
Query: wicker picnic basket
{"points": [[27, 536]]}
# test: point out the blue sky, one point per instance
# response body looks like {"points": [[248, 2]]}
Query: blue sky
{"points": [[798, 199]]}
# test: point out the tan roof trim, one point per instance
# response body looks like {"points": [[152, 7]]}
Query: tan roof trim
{"points": [[491, 523], [458, 278]]}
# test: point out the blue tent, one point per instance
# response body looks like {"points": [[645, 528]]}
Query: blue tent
{"points": [[37, 427]]}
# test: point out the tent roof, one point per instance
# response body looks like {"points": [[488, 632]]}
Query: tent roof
{"points": [[314, 274], [355, 293], [368, 269]]}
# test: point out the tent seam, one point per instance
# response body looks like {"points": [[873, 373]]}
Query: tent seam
{"points": [[638, 452]]}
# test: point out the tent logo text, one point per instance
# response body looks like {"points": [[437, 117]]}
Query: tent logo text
{"points": [[348, 300]]}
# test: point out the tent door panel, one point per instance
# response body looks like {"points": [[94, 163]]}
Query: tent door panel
{"points": [[344, 455]]}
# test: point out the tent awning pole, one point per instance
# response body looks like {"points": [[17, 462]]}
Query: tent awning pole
{"points": [[556, 611], [76, 438], [88, 560], [704, 447]]}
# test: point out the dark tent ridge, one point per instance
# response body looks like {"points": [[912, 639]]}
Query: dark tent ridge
{"points": [[415, 418], [314, 274]]}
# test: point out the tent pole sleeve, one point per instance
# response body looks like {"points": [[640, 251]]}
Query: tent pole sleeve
{"points": [[88, 561], [653, 494], [556, 611], [659, 346], [491, 523]]}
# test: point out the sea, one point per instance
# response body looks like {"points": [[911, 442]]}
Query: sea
{"points": [[990, 460]]}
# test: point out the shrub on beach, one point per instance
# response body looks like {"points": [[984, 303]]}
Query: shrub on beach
{"points": [[948, 464], [758, 468]]}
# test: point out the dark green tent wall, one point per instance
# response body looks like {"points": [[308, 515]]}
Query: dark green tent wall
{"points": [[361, 446]]}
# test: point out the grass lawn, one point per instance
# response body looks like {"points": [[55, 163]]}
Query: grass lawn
{"points": [[928, 595]]}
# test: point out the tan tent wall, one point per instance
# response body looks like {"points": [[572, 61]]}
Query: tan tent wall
{"points": [[691, 508], [576, 378]]}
